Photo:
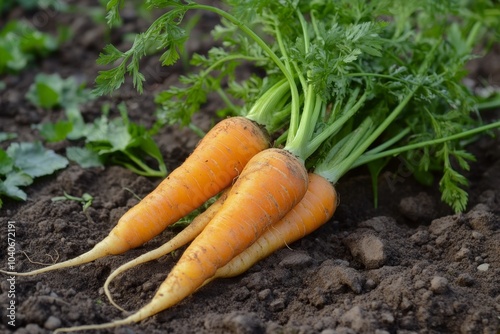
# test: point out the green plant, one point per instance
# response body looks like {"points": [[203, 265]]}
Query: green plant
{"points": [[399, 64], [6, 5], [118, 141], [21, 44], [107, 141], [22, 162], [86, 199], [49, 91]]}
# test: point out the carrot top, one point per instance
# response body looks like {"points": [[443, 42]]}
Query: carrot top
{"points": [[383, 77]]}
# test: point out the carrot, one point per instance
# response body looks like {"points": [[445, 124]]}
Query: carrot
{"points": [[217, 160], [314, 210], [271, 184], [186, 235]]}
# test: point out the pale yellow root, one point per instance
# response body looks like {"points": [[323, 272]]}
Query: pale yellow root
{"points": [[166, 297], [100, 250], [145, 312], [181, 239]]}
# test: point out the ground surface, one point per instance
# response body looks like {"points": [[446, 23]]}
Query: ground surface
{"points": [[409, 266]]}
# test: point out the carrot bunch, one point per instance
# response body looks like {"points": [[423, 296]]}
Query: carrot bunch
{"points": [[216, 162], [331, 100]]}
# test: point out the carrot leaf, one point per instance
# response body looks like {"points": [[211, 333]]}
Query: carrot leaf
{"points": [[339, 83]]}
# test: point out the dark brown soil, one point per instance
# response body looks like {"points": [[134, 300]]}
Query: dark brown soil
{"points": [[408, 266]]}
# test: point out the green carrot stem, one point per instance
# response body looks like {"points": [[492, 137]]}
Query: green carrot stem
{"points": [[371, 157], [336, 125], [389, 142], [295, 112]]}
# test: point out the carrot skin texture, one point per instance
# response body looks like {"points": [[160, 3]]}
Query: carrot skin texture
{"points": [[315, 209], [182, 238], [217, 160], [271, 184]]}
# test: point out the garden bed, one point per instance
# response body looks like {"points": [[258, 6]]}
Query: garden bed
{"points": [[408, 266]]}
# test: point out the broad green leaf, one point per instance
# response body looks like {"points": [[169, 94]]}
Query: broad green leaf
{"points": [[108, 136], [21, 43], [46, 91], [10, 186], [6, 163], [47, 97], [11, 56], [34, 160], [50, 91], [119, 136], [84, 157], [55, 132], [147, 145], [121, 142], [75, 117], [5, 58]]}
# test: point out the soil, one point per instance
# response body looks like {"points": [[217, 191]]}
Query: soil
{"points": [[408, 266]]}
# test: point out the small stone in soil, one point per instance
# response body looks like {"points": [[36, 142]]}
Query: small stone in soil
{"points": [[52, 323], [235, 322], [264, 294], [464, 252], [277, 305], [334, 277], [31, 329], [387, 317], [440, 225], [483, 267], [382, 331], [370, 284], [481, 221], [296, 260], [419, 284], [357, 319], [148, 286], [439, 285], [420, 237], [242, 294], [255, 280], [330, 331], [379, 224], [368, 248], [317, 298], [465, 280]]}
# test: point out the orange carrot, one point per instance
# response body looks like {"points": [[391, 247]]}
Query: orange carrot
{"points": [[271, 184], [182, 238], [314, 210], [215, 163]]}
